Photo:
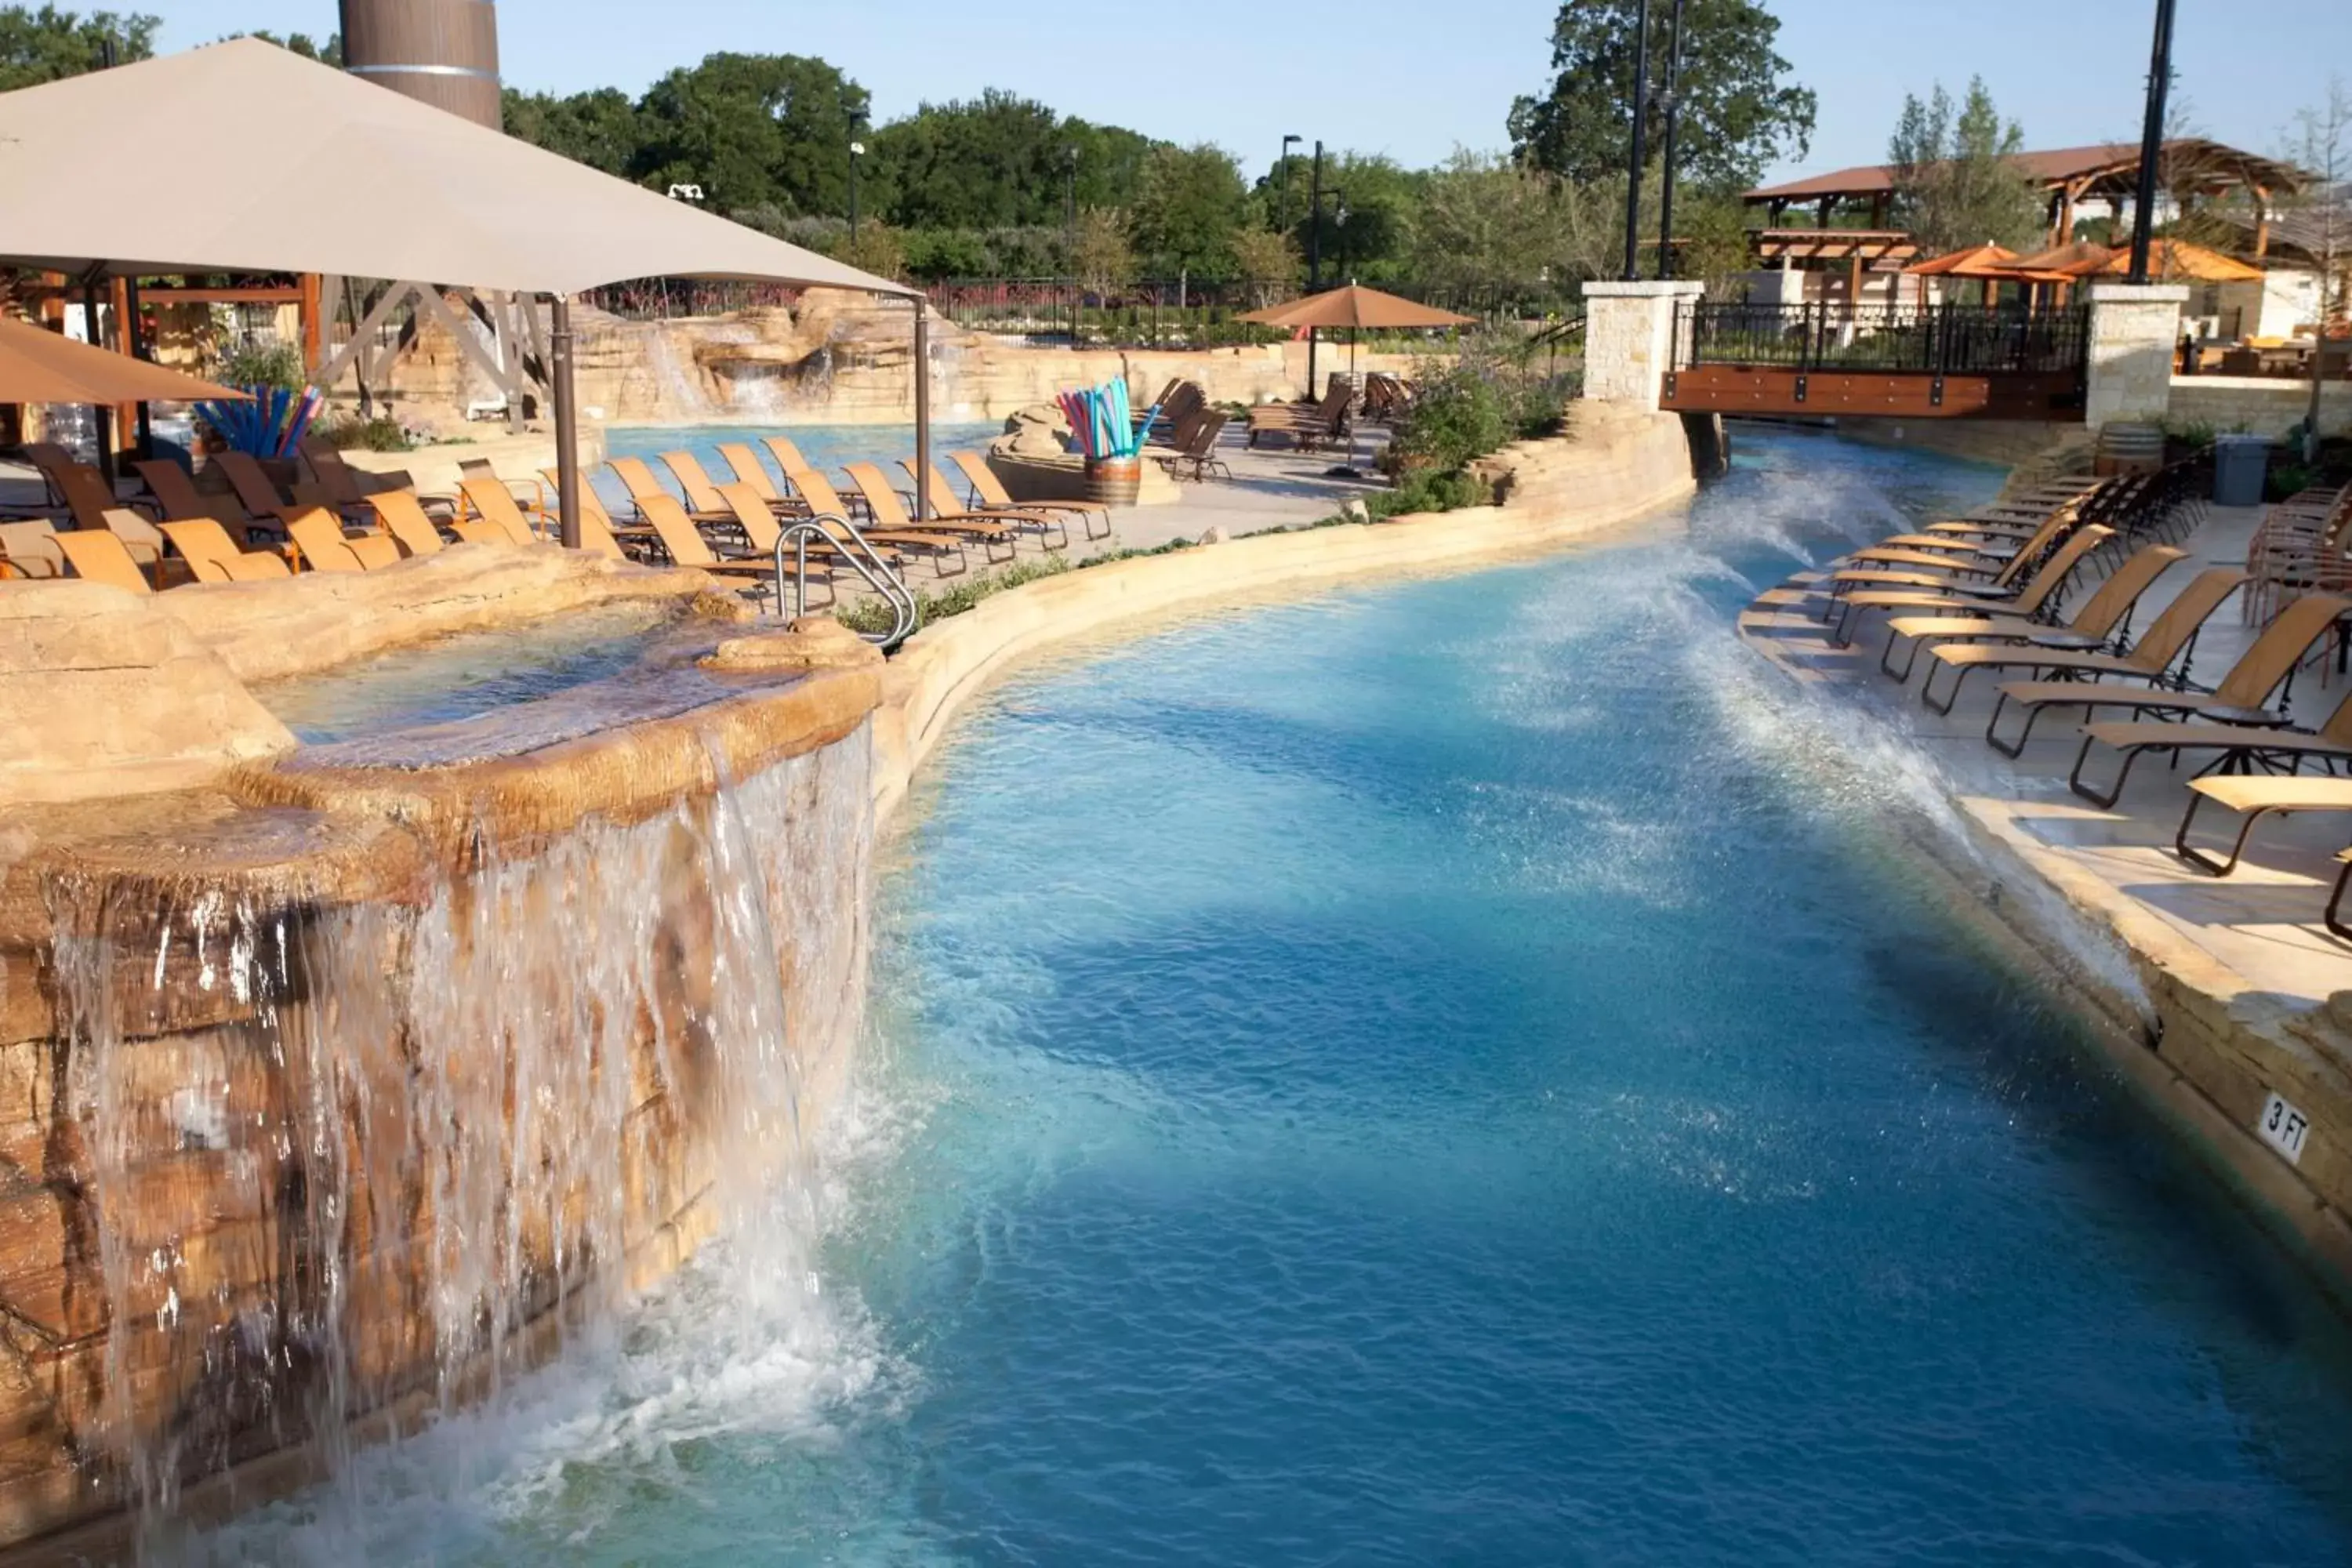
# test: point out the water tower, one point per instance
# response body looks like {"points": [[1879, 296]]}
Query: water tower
{"points": [[441, 52]]}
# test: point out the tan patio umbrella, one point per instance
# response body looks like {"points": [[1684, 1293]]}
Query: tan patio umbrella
{"points": [[41, 366], [1356, 307], [329, 173]]}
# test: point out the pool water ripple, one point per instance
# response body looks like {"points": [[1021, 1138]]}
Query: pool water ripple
{"points": [[1461, 1072]]}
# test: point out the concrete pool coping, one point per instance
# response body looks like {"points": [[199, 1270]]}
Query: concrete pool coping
{"points": [[2234, 992]]}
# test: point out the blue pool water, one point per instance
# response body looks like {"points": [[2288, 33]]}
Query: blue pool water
{"points": [[1460, 1072], [826, 447]]}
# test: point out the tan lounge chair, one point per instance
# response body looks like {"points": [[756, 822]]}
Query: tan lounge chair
{"points": [[475, 531], [763, 528], [319, 534], [1309, 424], [989, 494], [639, 481], [30, 548], [2254, 798], [214, 557], [255, 491], [2093, 626], [788, 457], [1046, 522], [2006, 595], [1199, 448], [749, 470], [1947, 558], [598, 531], [821, 497], [701, 493], [2172, 635], [402, 517], [2241, 698], [343, 484], [498, 507], [86, 494], [98, 556], [175, 494], [2243, 749], [140, 537], [686, 547], [890, 516]]}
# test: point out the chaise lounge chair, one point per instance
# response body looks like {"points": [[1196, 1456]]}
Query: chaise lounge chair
{"points": [[1047, 522], [701, 494], [498, 507], [686, 547], [989, 494], [2241, 698], [30, 549], [891, 518], [318, 534], [639, 481], [2255, 798], [214, 557], [2096, 624], [821, 497], [2011, 593], [2172, 635], [175, 496], [2245, 751], [98, 556]]}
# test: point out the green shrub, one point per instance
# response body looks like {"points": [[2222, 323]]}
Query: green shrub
{"points": [[870, 616], [263, 364], [349, 432]]}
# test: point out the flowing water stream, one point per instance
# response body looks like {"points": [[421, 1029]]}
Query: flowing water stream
{"points": [[1461, 1071]]}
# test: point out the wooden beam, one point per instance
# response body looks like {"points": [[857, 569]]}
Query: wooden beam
{"points": [[270, 294], [314, 329]]}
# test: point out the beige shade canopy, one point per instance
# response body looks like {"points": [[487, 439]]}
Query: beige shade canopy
{"points": [[41, 366], [302, 168], [1354, 306]]}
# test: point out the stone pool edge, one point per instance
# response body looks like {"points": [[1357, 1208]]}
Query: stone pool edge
{"points": [[1610, 467]]}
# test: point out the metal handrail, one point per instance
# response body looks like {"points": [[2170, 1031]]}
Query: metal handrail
{"points": [[858, 551]]}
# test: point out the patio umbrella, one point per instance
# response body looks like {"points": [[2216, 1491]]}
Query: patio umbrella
{"points": [[41, 366], [1356, 307]]}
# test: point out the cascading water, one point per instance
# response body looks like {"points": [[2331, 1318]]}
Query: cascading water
{"points": [[333, 1162]]}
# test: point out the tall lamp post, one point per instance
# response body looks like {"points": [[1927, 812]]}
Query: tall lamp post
{"points": [[2151, 141], [1070, 242], [1314, 254], [1669, 99], [1339, 216], [1282, 174], [1640, 127], [856, 156]]}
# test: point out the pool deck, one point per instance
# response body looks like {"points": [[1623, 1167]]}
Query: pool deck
{"points": [[2250, 994]]}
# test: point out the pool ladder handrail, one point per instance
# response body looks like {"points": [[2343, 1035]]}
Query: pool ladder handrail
{"points": [[859, 552]]}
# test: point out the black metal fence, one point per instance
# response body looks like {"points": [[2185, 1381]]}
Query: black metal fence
{"points": [[1949, 340]]}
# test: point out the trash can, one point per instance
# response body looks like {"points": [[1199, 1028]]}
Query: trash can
{"points": [[2241, 464]]}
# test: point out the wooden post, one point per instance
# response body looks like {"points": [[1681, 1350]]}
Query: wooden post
{"points": [[314, 331], [2262, 221], [126, 415]]}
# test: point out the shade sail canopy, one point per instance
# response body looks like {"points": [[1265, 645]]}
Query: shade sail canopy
{"points": [[1354, 306], [41, 366], [329, 173], [2171, 261], [1973, 261]]}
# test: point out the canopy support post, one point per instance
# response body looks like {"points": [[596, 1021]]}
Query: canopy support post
{"points": [[922, 411], [140, 348], [100, 413], [567, 432]]}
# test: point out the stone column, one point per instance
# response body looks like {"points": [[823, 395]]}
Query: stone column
{"points": [[2135, 326], [1629, 330]]}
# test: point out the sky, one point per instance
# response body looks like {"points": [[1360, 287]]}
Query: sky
{"points": [[1414, 80]]}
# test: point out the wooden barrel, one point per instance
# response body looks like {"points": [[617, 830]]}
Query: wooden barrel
{"points": [[2130, 448], [1114, 481], [441, 52]]}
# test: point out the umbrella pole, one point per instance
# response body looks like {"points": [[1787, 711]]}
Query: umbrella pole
{"points": [[98, 412], [139, 351], [922, 410], [567, 429]]}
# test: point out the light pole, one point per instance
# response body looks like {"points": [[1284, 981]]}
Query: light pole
{"points": [[856, 153], [1282, 174], [2151, 141], [1671, 103], [1339, 216], [1640, 127], [1070, 242], [1314, 254]]}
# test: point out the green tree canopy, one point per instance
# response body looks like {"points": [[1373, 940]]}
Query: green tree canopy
{"points": [[1186, 206], [1954, 184], [1492, 223], [998, 161], [1381, 197], [750, 129], [46, 44], [599, 129], [1740, 112]]}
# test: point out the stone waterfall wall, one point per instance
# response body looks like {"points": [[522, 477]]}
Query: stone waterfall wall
{"points": [[327, 1098]]}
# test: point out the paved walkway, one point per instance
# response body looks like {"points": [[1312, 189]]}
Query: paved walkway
{"points": [[2263, 923]]}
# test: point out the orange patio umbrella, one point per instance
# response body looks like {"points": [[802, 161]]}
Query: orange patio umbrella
{"points": [[41, 366], [1356, 307]]}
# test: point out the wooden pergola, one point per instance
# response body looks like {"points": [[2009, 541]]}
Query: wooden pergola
{"points": [[1862, 250]]}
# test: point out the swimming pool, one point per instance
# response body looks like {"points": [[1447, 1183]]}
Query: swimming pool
{"points": [[1465, 1071]]}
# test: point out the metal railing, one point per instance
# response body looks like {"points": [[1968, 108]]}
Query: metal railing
{"points": [[832, 528], [1948, 340]]}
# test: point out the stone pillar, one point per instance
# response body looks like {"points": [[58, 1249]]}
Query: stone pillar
{"points": [[1629, 333], [2135, 326]]}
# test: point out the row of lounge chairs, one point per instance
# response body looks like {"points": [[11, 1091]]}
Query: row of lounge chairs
{"points": [[1969, 603], [1181, 431]]}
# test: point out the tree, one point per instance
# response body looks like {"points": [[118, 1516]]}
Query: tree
{"points": [[1955, 183], [750, 129], [600, 128], [1381, 196], [1100, 258], [1740, 111], [1187, 204], [330, 53], [2322, 148], [48, 44], [1489, 222], [999, 161], [1268, 262]]}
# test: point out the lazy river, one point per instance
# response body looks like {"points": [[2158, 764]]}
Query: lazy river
{"points": [[1464, 1071]]}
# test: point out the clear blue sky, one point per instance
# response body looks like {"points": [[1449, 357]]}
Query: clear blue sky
{"points": [[1413, 79]]}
